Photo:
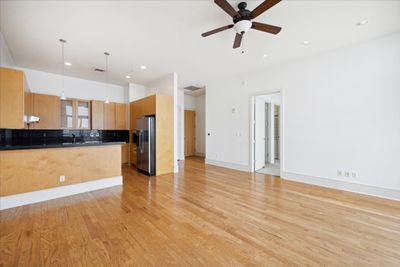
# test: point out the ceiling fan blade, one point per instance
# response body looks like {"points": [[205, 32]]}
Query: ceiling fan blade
{"points": [[226, 7], [217, 30], [238, 40], [266, 27], [264, 6]]}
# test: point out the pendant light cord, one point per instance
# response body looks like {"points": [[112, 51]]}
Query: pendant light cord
{"points": [[63, 64], [106, 54]]}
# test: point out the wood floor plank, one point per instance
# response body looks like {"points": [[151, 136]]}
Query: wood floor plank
{"points": [[204, 216]]}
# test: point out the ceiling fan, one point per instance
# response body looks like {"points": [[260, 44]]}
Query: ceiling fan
{"points": [[242, 19]]}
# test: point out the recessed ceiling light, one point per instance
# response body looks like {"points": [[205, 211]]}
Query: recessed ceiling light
{"points": [[143, 67], [265, 55], [68, 64], [362, 23], [127, 76], [306, 42]]}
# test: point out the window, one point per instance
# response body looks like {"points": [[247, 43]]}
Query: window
{"points": [[75, 114]]}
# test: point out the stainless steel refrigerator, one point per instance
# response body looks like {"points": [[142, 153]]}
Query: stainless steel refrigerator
{"points": [[145, 144]]}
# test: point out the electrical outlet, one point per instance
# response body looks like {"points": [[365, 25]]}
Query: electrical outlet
{"points": [[339, 173], [354, 174], [62, 179], [346, 174]]}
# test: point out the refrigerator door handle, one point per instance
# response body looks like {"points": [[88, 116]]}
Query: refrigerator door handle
{"points": [[141, 141]]}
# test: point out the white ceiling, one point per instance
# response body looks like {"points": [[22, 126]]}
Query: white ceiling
{"points": [[165, 35]]}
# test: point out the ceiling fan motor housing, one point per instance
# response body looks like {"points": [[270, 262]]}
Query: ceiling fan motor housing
{"points": [[243, 20]]}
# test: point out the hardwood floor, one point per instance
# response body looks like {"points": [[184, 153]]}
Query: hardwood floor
{"points": [[204, 216]]}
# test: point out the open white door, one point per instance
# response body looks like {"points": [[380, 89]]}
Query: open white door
{"points": [[259, 134]]}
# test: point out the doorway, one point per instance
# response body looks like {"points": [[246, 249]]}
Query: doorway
{"points": [[267, 129], [190, 133]]}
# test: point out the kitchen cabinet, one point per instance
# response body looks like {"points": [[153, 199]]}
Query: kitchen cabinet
{"points": [[48, 109], [12, 87], [120, 116], [28, 105], [161, 106], [97, 114], [109, 116], [125, 153], [82, 111], [141, 107], [75, 114]]}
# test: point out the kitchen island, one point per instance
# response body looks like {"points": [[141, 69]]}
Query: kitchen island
{"points": [[31, 172]]}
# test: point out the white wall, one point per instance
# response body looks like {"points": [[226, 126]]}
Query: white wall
{"points": [[51, 84], [168, 85], [136, 91], [6, 59], [340, 110], [181, 124], [163, 86], [201, 125], [190, 102]]}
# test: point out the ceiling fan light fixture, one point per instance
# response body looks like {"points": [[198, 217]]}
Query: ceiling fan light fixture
{"points": [[242, 26]]}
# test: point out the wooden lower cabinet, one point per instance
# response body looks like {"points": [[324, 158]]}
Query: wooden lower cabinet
{"points": [[35, 169], [125, 153]]}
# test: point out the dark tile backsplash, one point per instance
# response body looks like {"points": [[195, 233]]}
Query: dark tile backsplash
{"points": [[19, 137]]}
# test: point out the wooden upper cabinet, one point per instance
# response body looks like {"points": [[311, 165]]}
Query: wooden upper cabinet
{"points": [[11, 98], [120, 116], [142, 107], [48, 109], [109, 116], [97, 115]]}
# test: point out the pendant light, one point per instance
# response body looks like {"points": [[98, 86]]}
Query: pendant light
{"points": [[63, 42], [107, 100]]}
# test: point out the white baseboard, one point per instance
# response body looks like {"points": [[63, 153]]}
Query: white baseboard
{"points": [[235, 166], [392, 194], [17, 200]]}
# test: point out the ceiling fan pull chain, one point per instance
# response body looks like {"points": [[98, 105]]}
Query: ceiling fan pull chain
{"points": [[243, 44]]}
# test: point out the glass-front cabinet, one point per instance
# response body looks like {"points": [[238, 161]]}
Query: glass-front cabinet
{"points": [[83, 111], [75, 114], [67, 113]]}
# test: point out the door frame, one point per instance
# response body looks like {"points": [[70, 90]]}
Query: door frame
{"points": [[252, 102], [267, 132]]}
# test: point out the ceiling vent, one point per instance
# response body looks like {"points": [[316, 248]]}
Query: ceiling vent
{"points": [[99, 70], [192, 88]]}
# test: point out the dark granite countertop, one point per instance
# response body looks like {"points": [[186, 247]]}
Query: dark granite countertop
{"points": [[44, 146]]}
